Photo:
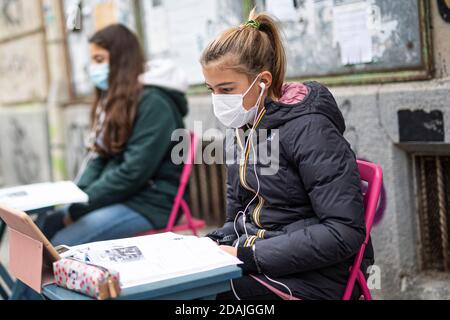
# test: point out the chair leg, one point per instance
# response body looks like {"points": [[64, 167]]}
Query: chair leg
{"points": [[4, 275], [3, 293], [363, 285], [2, 230], [187, 213]]}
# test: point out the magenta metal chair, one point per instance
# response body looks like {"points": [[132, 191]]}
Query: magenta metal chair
{"points": [[187, 222], [373, 175]]}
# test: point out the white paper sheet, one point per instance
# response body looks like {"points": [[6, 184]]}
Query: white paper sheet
{"points": [[42, 195], [351, 32], [154, 258]]}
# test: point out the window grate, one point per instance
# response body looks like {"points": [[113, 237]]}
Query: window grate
{"points": [[433, 186], [207, 192]]}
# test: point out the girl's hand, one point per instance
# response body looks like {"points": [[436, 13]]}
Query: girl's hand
{"points": [[230, 250]]}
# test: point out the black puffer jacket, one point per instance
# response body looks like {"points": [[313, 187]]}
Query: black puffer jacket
{"points": [[307, 223]]}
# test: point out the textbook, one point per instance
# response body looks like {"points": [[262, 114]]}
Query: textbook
{"points": [[42, 195], [148, 259]]}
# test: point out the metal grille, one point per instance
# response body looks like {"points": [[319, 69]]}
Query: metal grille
{"points": [[433, 186], [207, 193]]}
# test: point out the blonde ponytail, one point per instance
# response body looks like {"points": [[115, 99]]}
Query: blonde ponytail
{"points": [[251, 48]]}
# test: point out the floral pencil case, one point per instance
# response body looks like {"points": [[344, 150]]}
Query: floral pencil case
{"points": [[92, 280]]}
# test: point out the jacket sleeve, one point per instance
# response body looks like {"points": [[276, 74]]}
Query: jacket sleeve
{"points": [[143, 154], [94, 168], [328, 169]]}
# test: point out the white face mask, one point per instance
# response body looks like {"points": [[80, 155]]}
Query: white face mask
{"points": [[229, 108]]}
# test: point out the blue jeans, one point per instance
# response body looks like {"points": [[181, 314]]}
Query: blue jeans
{"points": [[108, 223]]}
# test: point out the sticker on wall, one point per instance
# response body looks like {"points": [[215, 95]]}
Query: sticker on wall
{"points": [[421, 126]]}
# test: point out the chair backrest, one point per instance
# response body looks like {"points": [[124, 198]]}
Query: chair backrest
{"points": [[187, 168], [373, 175]]}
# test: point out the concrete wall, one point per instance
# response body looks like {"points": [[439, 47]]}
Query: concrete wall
{"points": [[373, 117], [371, 114], [33, 83], [76, 130]]}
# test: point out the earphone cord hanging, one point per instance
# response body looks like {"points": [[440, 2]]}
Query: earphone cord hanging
{"points": [[257, 116]]}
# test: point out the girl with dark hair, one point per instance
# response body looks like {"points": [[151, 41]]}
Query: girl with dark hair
{"points": [[128, 174]]}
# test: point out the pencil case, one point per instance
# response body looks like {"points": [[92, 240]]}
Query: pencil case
{"points": [[89, 279]]}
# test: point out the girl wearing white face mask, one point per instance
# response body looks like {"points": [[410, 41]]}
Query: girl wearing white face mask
{"points": [[230, 110], [298, 229]]}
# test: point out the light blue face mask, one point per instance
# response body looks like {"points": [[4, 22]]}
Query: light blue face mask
{"points": [[99, 75]]}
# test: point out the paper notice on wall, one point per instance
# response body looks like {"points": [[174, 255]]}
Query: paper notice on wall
{"points": [[284, 10], [351, 32], [105, 14]]}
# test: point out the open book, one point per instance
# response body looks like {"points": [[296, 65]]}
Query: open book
{"points": [[42, 195], [149, 259]]}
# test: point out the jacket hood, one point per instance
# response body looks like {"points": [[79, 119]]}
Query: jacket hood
{"points": [[164, 74], [297, 102]]}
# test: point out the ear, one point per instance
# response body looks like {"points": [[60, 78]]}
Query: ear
{"points": [[266, 78]]}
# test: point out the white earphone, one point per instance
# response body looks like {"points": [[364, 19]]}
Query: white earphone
{"points": [[262, 85]]}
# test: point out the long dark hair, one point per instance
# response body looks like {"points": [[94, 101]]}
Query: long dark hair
{"points": [[126, 61]]}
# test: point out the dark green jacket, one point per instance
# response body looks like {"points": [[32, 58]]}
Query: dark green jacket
{"points": [[143, 176]]}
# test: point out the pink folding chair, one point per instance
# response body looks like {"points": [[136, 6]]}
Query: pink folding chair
{"points": [[187, 222], [373, 175]]}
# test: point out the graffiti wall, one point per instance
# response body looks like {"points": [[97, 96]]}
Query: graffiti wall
{"points": [[18, 17], [24, 146], [21, 28], [24, 150]]}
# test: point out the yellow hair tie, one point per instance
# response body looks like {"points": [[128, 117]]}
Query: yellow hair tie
{"points": [[253, 24]]}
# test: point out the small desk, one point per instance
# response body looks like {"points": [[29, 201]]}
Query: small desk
{"points": [[204, 286]]}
